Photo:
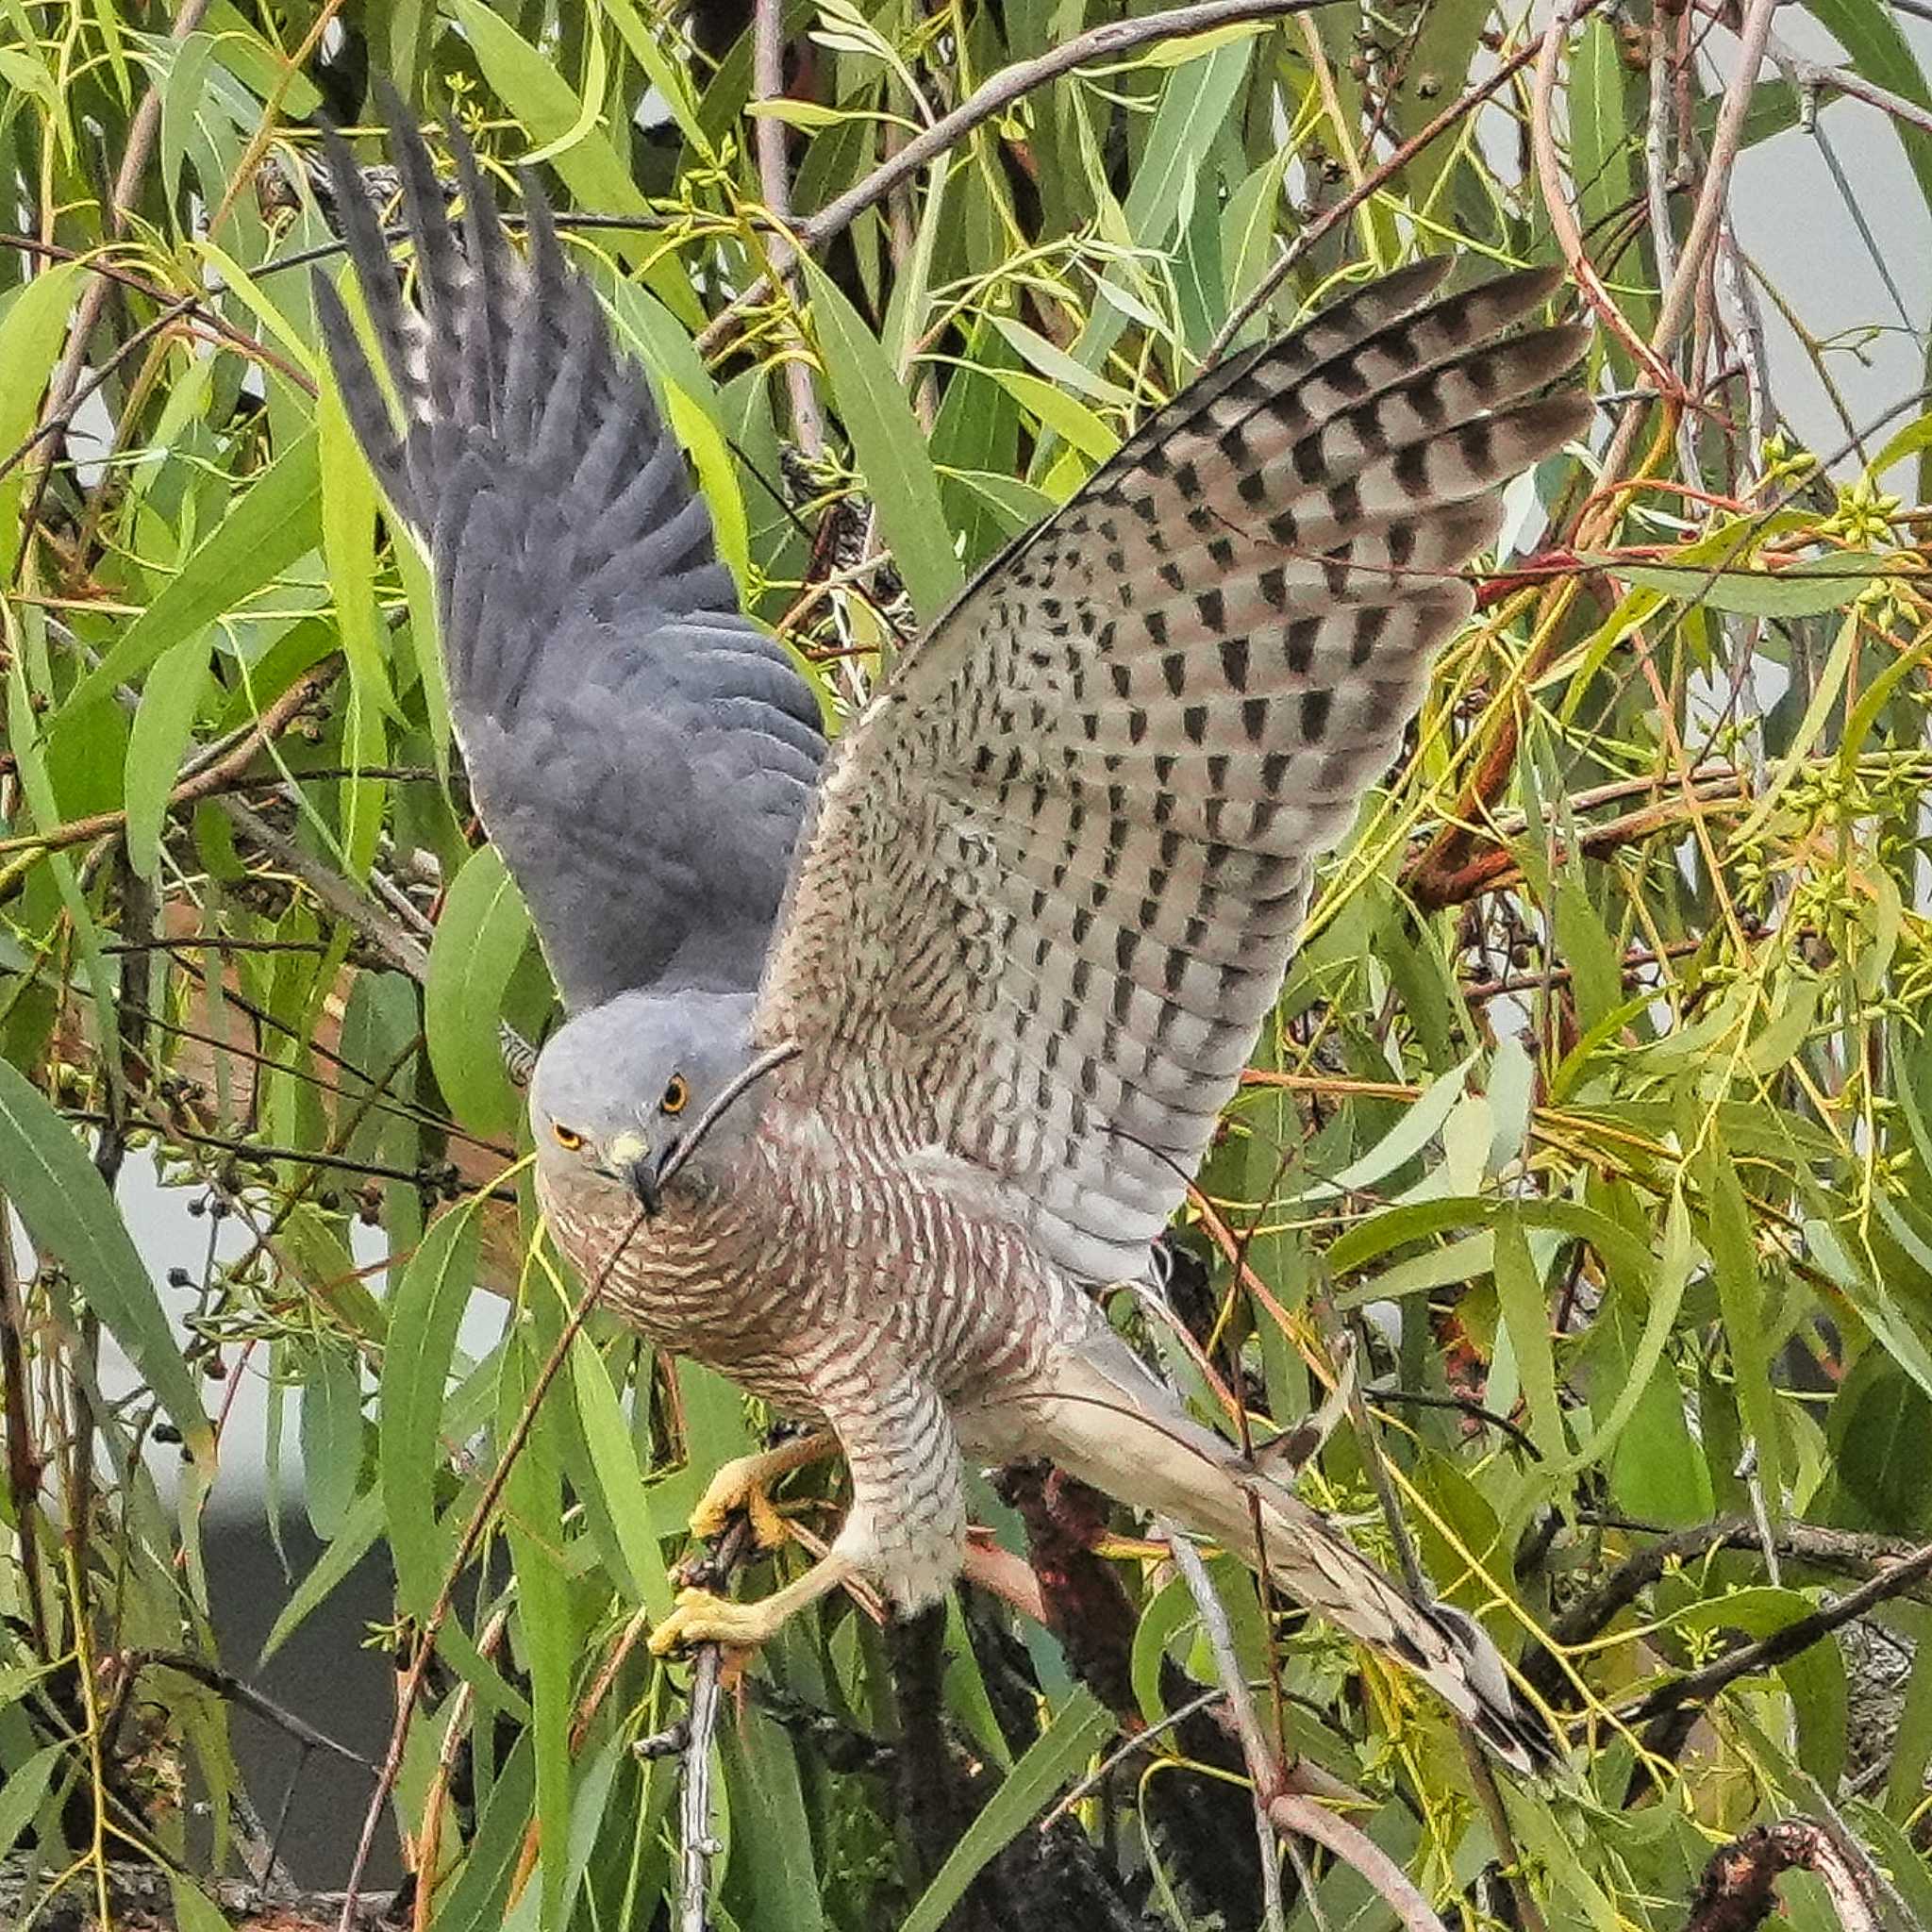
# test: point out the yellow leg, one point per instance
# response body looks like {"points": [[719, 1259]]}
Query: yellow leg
{"points": [[699, 1616], [745, 1483]]}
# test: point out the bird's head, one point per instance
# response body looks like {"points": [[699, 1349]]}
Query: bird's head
{"points": [[647, 1093]]}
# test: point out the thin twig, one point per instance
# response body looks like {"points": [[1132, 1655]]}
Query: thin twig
{"points": [[1701, 1686], [381, 929], [225, 773], [1798, 1542], [1097, 43], [771, 137], [1261, 1759], [236, 1690], [1371, 184]]}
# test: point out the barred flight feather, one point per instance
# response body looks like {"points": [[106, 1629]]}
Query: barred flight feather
{"points": [[1060, 865]]}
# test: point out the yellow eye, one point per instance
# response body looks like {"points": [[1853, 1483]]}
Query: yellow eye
{"points": [[567, 1138], [676, 1095]]}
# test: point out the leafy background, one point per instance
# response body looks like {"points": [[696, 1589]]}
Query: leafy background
{"points": [[1601, 1083]]}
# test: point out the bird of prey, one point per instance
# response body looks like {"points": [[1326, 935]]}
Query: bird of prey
{"points": [[1039, 911]]}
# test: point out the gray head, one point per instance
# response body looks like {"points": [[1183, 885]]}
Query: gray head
{"points": [[624, 1095]]}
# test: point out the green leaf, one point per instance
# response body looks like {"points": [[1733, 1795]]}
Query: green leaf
{"points": [[533, 1516], [72, 1218], [275, 521], [23, 1792], [1602, 140], [614, 1461], [1079, 1730], [1402, 1143], [1879, 1426], [169, 701], [480, 941], [890, 448], [1807, 589], [31, 332], [331, 1439], [355, 1539], [194, 1911], [425, 1315], [1059, 412], [1526, 1316]]}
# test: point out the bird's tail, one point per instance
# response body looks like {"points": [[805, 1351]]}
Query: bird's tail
{"points": [[1110, 1423]]}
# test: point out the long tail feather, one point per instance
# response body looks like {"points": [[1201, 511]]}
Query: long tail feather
{"points": [[1110, 1423]]}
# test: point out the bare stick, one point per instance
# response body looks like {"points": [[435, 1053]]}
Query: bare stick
{"points": [[697, 1844], [1262, 1762], [770, 135], [335, 891], [141, 142]]}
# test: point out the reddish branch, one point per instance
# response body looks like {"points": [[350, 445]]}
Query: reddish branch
{"points": [[1737, 1890]]}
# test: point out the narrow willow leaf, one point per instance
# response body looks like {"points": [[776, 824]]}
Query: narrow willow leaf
{"points": [[771, 1850], [1808, 589], [1601, 146], [424, 1317], [1402, 1143], [890, 448], [331, 1439], [1079, 1728], [274, 521], [358, 1537], [32, 328], [1665, 1283], [533, 1516], [1526, 1316], [1069, 419], [169, 700], [23, 1791], [72, 1219], [194, 1911], [607, 1439], [480, 941]]}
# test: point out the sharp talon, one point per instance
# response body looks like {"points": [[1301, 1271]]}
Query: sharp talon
{"points": [[735, 1488], [701, 1616]]}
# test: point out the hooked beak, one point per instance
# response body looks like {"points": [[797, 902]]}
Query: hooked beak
{"points": [[630, 1163]]}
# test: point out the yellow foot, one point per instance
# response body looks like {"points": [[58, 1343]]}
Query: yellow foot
{"points": [[700, 1616], [740, 1485]]}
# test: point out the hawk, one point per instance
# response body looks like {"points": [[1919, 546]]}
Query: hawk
{"points": [[871, 1150]]}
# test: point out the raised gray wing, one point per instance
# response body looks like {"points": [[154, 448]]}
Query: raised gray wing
{"points": [[642, 755], [1060, 865]]}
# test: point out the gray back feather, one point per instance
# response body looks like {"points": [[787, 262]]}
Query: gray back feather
{"points": [[642, 755]]}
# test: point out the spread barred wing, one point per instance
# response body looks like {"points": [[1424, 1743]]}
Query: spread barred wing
{"points": [[642, 755], [1058, 866]]}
